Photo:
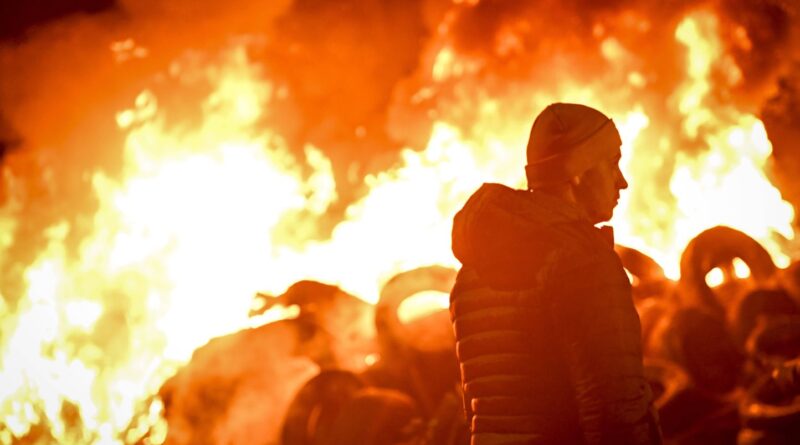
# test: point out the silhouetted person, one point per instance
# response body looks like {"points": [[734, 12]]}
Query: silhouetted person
{"points": [[547, 335]]}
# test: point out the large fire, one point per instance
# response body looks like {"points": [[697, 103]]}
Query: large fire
{"points": [[208, 211]]}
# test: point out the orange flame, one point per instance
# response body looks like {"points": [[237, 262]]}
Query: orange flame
{"points": [[184, 238]]}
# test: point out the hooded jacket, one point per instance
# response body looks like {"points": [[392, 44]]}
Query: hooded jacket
{"points": [[548, 339]]}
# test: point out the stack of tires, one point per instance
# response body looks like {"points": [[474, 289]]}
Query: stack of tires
{"points": [[723, 361], [409, 395], [718, 357]]}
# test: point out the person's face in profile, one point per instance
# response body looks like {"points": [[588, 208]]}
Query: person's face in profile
{"points": [[598, 189]]}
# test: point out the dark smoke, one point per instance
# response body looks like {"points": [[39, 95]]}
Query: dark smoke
{"points": [[772, 38], [341, 62]]}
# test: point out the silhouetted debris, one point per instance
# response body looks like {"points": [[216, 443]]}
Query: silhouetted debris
{"points": [[723, 367]]}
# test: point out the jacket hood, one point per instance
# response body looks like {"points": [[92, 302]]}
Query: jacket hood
{"points": [[505, 234]]}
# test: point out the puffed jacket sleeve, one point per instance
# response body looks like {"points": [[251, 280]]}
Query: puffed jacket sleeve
{"points": [[600, 337]]}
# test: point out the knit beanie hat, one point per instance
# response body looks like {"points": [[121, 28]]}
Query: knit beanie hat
{"points": [[566, 140]]}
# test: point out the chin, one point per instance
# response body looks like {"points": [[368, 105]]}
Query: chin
{"points": [[598, 217]]}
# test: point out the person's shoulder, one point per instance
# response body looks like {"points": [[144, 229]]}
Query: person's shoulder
{"points": [[587, 249], [580, 238]]}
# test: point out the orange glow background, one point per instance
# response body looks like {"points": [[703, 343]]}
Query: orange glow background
{"points": [[176, 158]]}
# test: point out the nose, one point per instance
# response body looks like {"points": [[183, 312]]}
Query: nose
{"points": [[622, 183]]}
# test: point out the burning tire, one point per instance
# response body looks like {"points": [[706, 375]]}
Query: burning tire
{"points": [[789, 279], [336, 407], [681, 406], [772, 406], [749, 436], [756, 307], [699, 342], [448, 425], [775, 339], [237, 388], [715, 247], [649, 278], [669, 384], [390, 329], [313, 413], [417, 356], [376, 416], [347, 321], [651, 312]]}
